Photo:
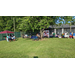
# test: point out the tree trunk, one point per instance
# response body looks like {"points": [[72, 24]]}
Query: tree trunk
{"points": [[70, 27], [41, 33], [14, 23]]}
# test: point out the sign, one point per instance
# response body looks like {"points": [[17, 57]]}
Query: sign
{"points": [[46, 33]]}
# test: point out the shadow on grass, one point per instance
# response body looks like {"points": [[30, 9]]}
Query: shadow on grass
{"points": [[16, 39], [27, 38], [35, 56]]}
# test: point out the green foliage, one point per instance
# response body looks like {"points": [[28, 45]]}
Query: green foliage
{"points": [[69, 19], [1, 23], [31, 23], [35, 22], [26, 23], [6, 23]]}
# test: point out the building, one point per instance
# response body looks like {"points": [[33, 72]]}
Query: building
{"points": [[61, 29]]}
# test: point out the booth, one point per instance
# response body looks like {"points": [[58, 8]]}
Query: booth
{"points": [[5, 33]]}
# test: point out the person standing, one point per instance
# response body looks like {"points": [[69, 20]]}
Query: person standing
{"points": [[7, 38]]}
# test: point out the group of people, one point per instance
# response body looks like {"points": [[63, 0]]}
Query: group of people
{"points": [[66, 35], [10, 38], [37, 37], [72, 35]]}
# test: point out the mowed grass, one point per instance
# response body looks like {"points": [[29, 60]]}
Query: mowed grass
{"points": [[47, 48]]}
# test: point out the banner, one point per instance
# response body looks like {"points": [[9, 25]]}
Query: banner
{"points": [[46, 33]]}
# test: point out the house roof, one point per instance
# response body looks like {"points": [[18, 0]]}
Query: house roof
{"points": [[62, 26], [4, 32]]}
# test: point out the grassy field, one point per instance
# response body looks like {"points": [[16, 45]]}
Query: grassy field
{"points": [[47, 48]]}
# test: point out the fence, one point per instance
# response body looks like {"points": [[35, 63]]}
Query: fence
{"points": [[0, 37], [29, 33], [17, 34]]}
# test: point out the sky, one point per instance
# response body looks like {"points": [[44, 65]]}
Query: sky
{"points": [[58, 21], [63, 21]]}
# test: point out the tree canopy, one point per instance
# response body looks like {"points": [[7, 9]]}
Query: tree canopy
{"points": [[35, 22], [26, 23]]}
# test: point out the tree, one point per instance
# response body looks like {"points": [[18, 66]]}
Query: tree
{"points": [[15, 22], [69, 20], [8, 23], [73, 20], [1, 23], [35, 22]]}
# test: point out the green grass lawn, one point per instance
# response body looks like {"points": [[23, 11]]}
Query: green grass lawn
{"points": [[47, 48]]}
